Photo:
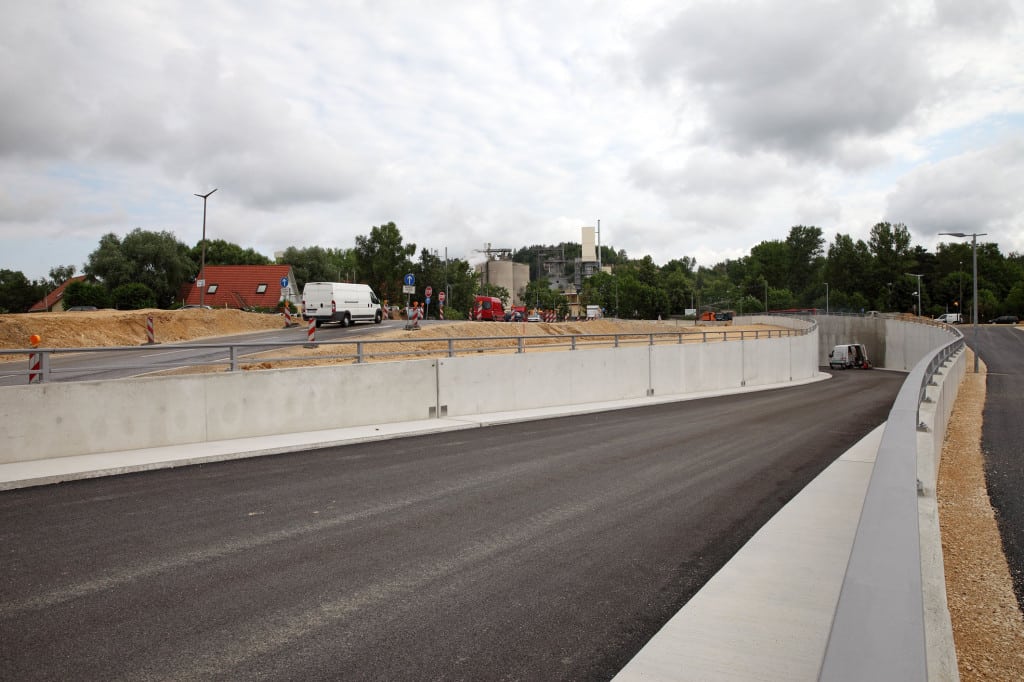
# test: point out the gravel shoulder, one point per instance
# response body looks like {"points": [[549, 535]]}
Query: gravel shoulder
{"points": [[988, 626]]}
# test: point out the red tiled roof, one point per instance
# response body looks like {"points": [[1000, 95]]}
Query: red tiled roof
{"points": [[237, 286], [54, 297]]}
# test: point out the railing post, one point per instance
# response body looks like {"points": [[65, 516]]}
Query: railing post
{"points": [[573, 337], [616, 337], [359, 352], [519, 344], [451, 347], [234, 358]]}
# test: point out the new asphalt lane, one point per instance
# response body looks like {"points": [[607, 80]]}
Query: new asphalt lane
{"points": [[544, 550], [1002, 440]]}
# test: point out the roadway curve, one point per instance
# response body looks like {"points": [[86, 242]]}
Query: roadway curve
{"points": [[540, 551], [1002, 437]]}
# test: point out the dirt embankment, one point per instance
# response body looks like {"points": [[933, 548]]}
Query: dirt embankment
{"points": [[127, 328]]}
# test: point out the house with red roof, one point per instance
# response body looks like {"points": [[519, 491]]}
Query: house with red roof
{"points": [[242, 287], [54, 301]]}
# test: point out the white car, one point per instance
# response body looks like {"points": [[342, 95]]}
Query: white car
{"points": [[533, 318]]}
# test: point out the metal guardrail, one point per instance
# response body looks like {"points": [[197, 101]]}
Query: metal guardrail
{"points": [[244, 355]]}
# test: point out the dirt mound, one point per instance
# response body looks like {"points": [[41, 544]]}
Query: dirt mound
{"points": [[127, 328]]}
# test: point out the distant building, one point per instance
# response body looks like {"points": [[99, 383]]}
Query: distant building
{"points": [[242, 287], [54, 301], [508, 274]]}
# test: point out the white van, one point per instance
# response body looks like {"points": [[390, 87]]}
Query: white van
{"points": [[849, 356], [340, 302], [950, 318]]}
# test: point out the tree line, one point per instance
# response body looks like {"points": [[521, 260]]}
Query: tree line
{"points": [[147, 269]]}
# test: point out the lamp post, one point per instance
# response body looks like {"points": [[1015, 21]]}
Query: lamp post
{"points": [[910, 274], [974, 306], [202, 263], [960, 295], [826, 298], [766, 296]]}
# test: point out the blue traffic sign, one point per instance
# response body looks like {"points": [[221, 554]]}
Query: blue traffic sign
{"points": [[409, 280], [284, 282], [427, 301]]}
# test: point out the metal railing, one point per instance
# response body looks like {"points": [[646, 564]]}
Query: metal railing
{"points": [[239, 356]]}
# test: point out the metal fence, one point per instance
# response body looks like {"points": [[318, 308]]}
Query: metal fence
{"points": [[239, 356]]}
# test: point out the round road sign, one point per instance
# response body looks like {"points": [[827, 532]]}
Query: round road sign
{"points": [[429, 290]]}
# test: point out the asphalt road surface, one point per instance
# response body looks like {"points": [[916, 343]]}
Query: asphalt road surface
{"points": [[541, 551], [1002, 437], [106, 364]]}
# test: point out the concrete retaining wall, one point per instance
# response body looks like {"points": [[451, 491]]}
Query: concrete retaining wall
{"points": [[891, 343], [63, 419]]}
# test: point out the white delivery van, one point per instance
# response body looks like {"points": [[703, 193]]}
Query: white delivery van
{"points": [[340, 302], [849, 356], [950, 318]]}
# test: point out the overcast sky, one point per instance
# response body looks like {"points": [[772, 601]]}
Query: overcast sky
{"points": [[687, 128]]}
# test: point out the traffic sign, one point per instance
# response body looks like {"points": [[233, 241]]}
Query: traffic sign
{"points": [[408, 289], [284, 282], [440, 297], [427, 301], [429, 291], [409, 280]]}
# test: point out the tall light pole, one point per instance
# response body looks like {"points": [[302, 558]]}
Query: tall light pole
{"points": [[826, 298], [910, 274], [766, 296], [974, 306], [960, 299], [202, 264]]}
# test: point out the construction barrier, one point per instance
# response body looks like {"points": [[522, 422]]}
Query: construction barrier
{"points": [[150, 333], [35, 375], [311, 334]]}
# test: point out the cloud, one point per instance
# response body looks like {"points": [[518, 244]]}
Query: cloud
{"points": [[977, 191], [801, 78]]}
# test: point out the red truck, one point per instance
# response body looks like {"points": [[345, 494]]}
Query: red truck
{"points": [[488, 308]]}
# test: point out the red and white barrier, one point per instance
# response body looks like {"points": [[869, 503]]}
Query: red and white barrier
{"points": [[287, 317], [150, 334], [35, 375], [311, 333]]}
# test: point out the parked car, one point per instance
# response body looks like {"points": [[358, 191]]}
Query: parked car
{"points": [[1005, 319], [533, 318], [82, 308]]}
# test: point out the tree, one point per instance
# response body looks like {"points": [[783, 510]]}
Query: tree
{"points": [[133, 296], [155, 259], [61, 273], [805, 245], [221, 252], [86, 293], [17, 293], [317, 264], [382, 259]]}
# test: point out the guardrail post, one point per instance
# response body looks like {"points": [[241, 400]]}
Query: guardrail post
{"points": [[234, 358], [451, 348], [573, 337], [519, 344], [616, 338], [359, 352]]}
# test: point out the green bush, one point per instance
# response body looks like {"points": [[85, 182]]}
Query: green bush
{"points": [[86, 293], [133, 296]]}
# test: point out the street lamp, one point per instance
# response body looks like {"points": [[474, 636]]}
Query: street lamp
{"points": [[202, 264], [826, 298], [910, 274], [974, 307]]}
